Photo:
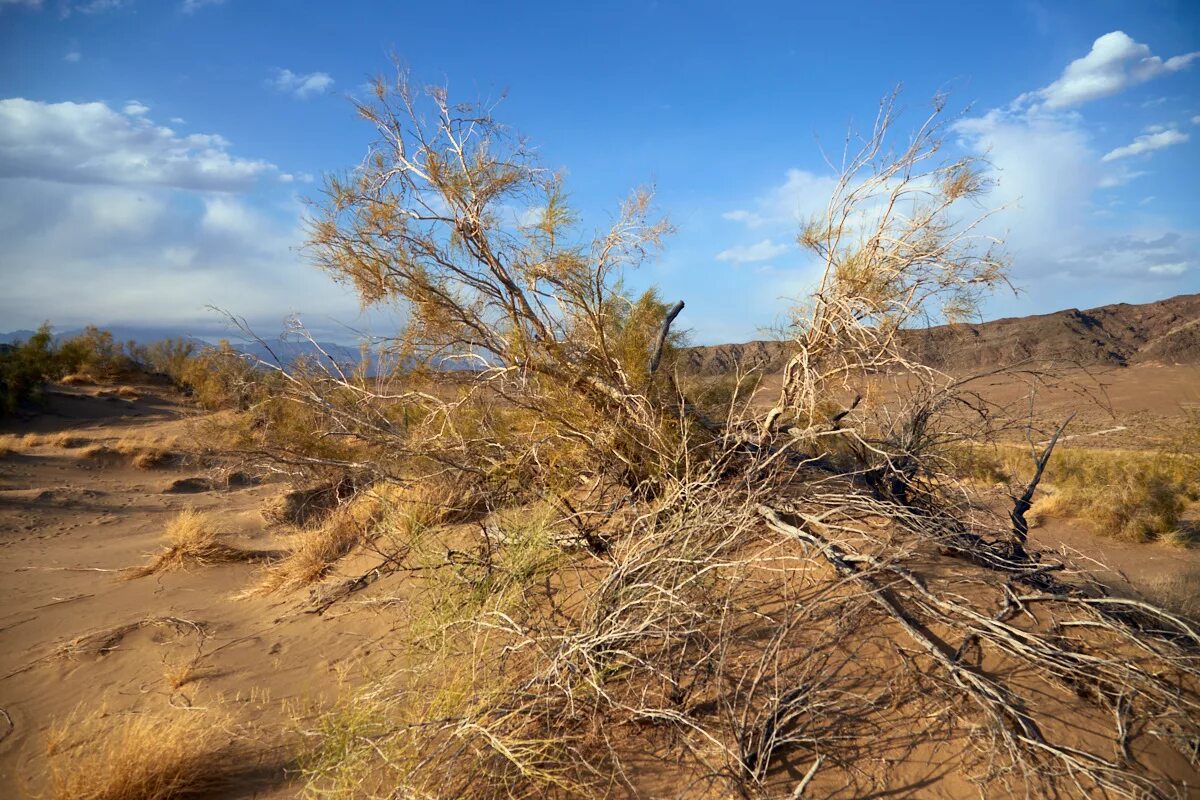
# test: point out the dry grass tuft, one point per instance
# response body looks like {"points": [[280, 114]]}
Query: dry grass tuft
{"points": [[146, 452], [179, 675], [129, 393], [193, 538], [317, 550], [76, 379], [1179, 592], [99, 452], [142, 757], [406, 510], [67, 441]]}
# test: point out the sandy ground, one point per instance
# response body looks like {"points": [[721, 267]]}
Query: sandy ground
{"points": [[70, 524]]}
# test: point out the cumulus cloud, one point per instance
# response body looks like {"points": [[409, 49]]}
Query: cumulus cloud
{"points": [[801, 195], [300, 85], [106, 217], [153, 256], [1146, 143], [1040, 216], [759, 251], [1115, 63], [90, 143]]}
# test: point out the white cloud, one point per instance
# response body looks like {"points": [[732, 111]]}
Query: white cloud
{"points": [[1040, 216], [1196, 120], [1174, 268], [153, 256], [300, 85], [135, 109], [72, 56], [86, 143], [192, 6], [759, 251], [1115, 63], [798, 198], [26, 3], [1120, 177], [1146, 143]]}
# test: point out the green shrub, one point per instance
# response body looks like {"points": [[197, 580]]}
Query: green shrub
{"points": [[25, 368]]}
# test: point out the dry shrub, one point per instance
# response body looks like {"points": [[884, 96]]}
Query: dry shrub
{"points": [[76, 379], [142, 757], [129, 393], [308, 506], [193, 538]]}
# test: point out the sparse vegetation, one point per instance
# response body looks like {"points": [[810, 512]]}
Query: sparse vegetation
{"points": [[1131, 495], [144, 756], [193, 539]]}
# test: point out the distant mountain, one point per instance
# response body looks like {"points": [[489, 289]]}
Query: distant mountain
{"points": [[1166, 331], [285, 351]]}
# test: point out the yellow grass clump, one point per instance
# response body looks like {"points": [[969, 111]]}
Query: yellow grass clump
{"points": [[146, 452], [405, 511], [141, 757], [11, 445], [64, 440], [193, 538]]}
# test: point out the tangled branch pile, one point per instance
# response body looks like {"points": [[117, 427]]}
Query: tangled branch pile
{"points": [[766, 601]]}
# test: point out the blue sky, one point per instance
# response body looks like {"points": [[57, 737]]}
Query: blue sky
{"points": [[154, 153]]}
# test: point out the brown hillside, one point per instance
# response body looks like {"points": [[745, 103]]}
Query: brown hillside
{"points": [[1166, 331]]}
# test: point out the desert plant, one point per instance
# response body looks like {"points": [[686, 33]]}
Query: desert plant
{"points": [[193, 538], [530, 314], [142, 757], [743, 580]]}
